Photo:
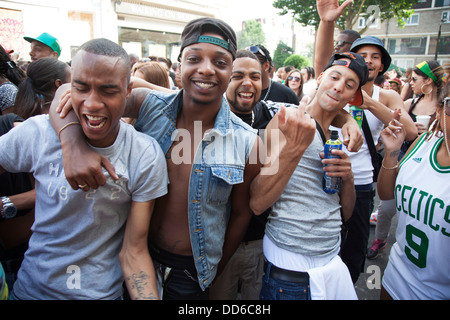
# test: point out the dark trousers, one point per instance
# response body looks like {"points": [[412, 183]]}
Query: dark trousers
{"points": [[356, 233], [179, 276]]}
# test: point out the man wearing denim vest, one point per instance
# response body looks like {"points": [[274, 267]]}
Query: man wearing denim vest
{"points": [[202, 219]]}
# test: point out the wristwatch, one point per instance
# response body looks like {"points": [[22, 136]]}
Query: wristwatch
{"points": [[9, 210]]}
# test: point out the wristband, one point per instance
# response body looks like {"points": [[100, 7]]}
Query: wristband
{"points": [[65, 126], [395, 167]]}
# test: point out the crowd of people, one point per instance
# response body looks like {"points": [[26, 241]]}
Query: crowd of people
{"points": [[203, 179]]}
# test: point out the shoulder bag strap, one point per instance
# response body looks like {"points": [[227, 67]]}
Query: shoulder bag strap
{"points": [[322, 135], [372, 149]]}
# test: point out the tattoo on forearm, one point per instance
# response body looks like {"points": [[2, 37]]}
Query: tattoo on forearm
{"points": [[140, 283], [394, 154]]}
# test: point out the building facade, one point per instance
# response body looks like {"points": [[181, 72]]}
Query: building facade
{"points": [[417, 41], [142, 27]]}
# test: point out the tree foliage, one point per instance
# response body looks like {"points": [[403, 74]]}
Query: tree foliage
{"points": [[305, 12], [251, 35], [282, 52], [297, 61]]}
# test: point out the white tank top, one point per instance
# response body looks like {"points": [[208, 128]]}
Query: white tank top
{"points": [[361, 161], [419, 262]]}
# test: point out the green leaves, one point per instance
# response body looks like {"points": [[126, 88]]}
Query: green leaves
{"points": [[305, 11]]}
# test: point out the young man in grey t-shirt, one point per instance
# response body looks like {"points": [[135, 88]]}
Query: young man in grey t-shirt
{"points": [[302, 235], [82, 240]]}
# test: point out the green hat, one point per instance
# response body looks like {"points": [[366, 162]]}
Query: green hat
{"points": [[48, 40]]}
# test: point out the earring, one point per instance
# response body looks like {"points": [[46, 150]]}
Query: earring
{"points": [[445, 136], [429, 92], [432, 129]]}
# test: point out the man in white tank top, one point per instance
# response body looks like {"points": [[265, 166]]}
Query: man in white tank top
{"points": [[378, 106]]}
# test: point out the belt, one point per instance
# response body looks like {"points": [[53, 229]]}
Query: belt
{"points": [[364, 187], [287, 275]]}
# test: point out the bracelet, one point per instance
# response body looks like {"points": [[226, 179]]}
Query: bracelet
{"points": [[65, 126], [382, 165]]}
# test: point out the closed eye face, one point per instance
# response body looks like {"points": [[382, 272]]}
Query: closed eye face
{"points": [[349, 81], [239, 75]]}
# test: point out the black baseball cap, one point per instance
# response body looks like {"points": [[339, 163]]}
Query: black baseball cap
{"points": [[194, 30], [374, 41], [358, 65]]}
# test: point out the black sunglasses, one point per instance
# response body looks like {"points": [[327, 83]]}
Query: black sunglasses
{"points": [[341, 43], [290, 78]]}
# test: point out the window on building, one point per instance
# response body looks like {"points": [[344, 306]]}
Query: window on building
{"points": [[403, 63], [444, 45], [361, 22], [413, 20], [147, 43], [442, 3], [407, 46], [445, 16], [421, 4], [81, 29]]}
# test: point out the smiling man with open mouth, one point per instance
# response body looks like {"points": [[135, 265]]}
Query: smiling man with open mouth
{"points": [[203, 217]]}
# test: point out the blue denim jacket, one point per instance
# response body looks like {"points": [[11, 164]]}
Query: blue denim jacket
{"points": [[218, 165]]}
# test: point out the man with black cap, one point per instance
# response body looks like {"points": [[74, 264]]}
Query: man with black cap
{"points": [[244, 271], [44, 45], [202, 219], [302, 237], [379, 106]]}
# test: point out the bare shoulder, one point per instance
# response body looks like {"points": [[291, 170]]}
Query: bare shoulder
{"points": [[391, 99], [135, 101]]}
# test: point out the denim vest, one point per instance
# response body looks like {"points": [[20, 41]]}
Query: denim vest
{"points": [[219, 164]]}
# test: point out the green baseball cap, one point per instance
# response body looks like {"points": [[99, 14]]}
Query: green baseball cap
{"points": [[48, 40]]}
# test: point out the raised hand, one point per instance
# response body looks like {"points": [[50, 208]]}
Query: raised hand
{"points": [[297, 127], [352, 136], [394, 134], [330, 10]]}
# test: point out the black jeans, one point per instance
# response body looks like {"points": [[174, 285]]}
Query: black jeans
{"points": [[179, 276], [356, 234]]}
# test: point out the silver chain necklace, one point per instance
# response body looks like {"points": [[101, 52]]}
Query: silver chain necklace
{"points": [[268, 91]]}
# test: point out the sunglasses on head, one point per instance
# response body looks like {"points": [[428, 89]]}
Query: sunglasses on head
{"points": [[447, 106], [256, 49], [341, 43], [290, 78]]}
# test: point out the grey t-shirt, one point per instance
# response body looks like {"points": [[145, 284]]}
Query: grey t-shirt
{"points": [[305, 219], [73, 252]]}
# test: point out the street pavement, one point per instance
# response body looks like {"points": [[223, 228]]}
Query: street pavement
{"points": [[369, 283]]}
